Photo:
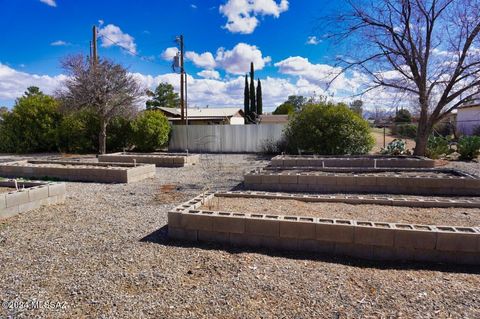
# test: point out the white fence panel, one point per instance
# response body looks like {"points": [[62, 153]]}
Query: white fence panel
{"points": [[224, 138]]}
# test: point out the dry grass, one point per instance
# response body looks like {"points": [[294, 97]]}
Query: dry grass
{"points": [[377, 133]]}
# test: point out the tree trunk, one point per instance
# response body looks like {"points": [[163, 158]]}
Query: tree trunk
{"points": [[102, 138], [423, 132]]}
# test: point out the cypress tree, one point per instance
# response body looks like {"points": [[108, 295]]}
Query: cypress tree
{"points": [[246, 100], [259, 98], [253, 107]]}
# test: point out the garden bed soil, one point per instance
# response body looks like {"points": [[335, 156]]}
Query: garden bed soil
{"points": [[376, 213]]}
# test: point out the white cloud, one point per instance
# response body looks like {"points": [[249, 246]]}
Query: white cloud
{"points": [[59, 43], [204, 60], [169, 53], [313, 40], [113, 35], [214, 91], [237, 60], [209, 74], [242, 14], [51, 3], [14, 83], [322, 75], [194, 6]]}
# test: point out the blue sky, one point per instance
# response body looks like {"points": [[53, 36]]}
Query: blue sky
{"points": [[221, 38]]}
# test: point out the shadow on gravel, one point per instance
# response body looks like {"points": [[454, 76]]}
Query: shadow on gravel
{"points": [[160, 237]]}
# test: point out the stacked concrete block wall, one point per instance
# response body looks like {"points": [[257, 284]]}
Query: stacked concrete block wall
{"points": [[362, 239], [78, 171], [285, 181], [159, 159], [35, 195], [352, 161]]}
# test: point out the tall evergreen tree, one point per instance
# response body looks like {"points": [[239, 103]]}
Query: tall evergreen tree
{"points": [[253, 105], [259, 98], [246, 99]]}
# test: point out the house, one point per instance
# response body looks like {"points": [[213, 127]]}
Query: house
{"points": [[468, 118], [273, 119], [206, 116]]}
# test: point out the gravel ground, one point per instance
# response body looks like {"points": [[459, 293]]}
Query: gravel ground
{"points": [[104, 254], [374, 213]]}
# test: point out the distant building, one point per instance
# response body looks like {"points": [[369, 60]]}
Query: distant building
{"points": [[468, 118], [206, 116], [273, 119]]}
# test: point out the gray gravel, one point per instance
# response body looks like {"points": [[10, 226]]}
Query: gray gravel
{"points": [[104, 254]]}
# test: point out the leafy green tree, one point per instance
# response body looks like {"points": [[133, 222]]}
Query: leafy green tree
{"points": [[259, 98], [164, 96], [105, 88], [329, 129], [150, 131], [253, 104], [31, 125], [357, 107], [284, 108], [403, 116], [297, 101], [78, 132], [246, 99]]}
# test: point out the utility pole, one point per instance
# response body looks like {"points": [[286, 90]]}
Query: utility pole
{"points": [[94, 46], [182, 79]]}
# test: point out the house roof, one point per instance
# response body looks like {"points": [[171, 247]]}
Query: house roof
{"points": [[204, 113]]}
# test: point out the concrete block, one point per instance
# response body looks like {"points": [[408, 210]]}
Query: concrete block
{"points": [[213, 236], [337, 233], [197, 220], [56, 189], [366, 181], [263, 226], [252, 179], [9, 212], [16, 198], [384, 253], [270, 179], [354, 250], [407, 237], [37, 193], [174, 219], [231, 223], [29, 206], [307, 179], [378, 234], [182, 234], [326, 180], [288, 179], [465, 241], [316, 246], [295, 227]]}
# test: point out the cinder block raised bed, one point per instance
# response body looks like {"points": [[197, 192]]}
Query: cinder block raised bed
{"points": [[159, 159], [78, 171], [361, 239], [384, 181], [373, 161], [30, 195]]}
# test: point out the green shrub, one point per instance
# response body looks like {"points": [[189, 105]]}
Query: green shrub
{"points": [[403, 116], [437, 146], [119, 134], [396, 147], [405, 130], [32, 124], [78, 133], [468, 147], [330, 129], [150, 131]]}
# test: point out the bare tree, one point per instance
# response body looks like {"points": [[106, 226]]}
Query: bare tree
{"points": [[428, 50], [105, 88]]}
